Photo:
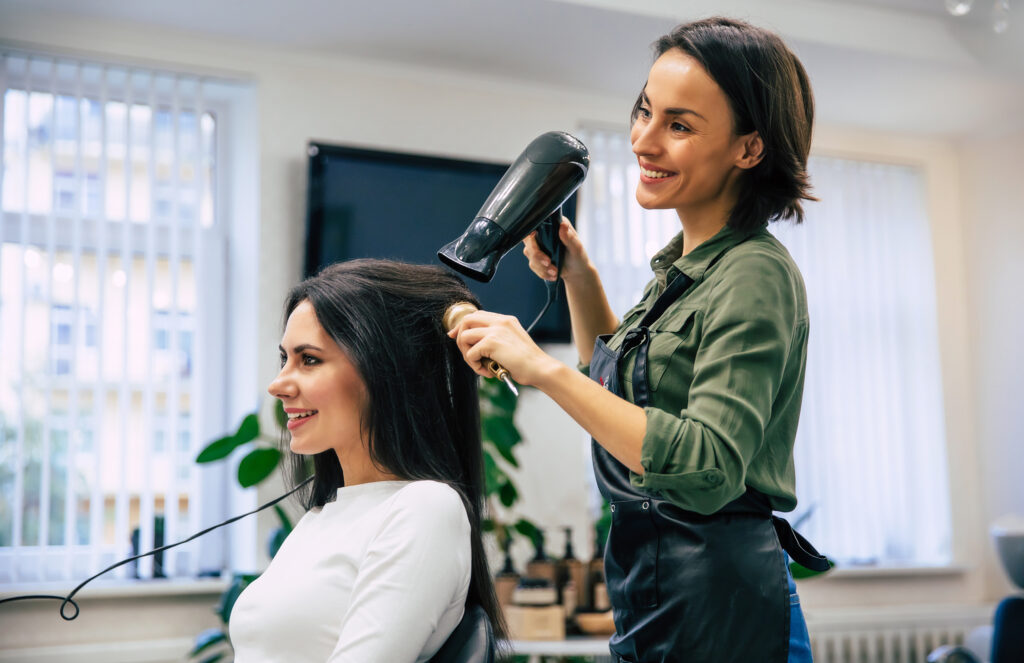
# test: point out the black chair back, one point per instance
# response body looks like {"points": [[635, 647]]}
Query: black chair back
{"points": [[1008, 631], [472, 641]]}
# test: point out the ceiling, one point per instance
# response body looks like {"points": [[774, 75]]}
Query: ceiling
{"points": [[901, 65]]}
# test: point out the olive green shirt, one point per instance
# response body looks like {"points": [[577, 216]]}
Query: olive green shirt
{"points": [[725, 371]]}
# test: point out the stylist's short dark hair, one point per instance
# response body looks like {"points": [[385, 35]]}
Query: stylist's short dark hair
{"points": [[769, 92]]}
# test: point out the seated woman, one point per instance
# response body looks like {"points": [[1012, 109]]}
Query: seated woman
{"points": [[389, 554]]}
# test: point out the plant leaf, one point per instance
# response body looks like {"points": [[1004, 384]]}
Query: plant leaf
{"points": [[493, 476], [286, 523], [213, 659], [279, 414], [508, 494], [801, 572], [257, 465], [231, 594], [505, 451], [249, 429], [527, 529], [207, 639], [497, 398], [218, 449], [502, 429]]}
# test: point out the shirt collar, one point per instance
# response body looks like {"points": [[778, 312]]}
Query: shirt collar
{"points": [[669, 261]]}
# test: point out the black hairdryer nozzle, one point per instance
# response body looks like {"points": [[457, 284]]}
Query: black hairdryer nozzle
{"points": [[543, 177]]}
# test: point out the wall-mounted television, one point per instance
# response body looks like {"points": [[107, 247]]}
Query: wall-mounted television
{"points": [[375, 204]]}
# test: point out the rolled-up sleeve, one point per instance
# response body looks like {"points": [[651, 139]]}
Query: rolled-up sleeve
{"points": [[697, 457]]}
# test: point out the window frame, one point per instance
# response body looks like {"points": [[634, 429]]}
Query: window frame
{"points": [[235, 175]]}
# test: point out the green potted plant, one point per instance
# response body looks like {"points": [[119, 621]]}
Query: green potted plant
{"points": [[499, 437]]}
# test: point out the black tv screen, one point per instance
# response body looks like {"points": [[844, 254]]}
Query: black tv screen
{"points": [[373, 204]]}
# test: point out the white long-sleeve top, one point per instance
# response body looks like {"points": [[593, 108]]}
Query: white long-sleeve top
{"points": [[380, 575]]}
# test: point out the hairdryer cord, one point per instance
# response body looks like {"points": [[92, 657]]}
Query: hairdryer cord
{"points": [[68, 599], [552, 296]]}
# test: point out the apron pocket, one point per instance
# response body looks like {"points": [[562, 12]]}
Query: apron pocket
{"points": [[631, 560]]}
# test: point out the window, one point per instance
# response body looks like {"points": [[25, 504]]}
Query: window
{"points": [[109, 220], [870, 451]]}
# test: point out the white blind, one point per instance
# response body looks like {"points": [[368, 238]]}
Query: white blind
{"points": [[870, 450], [109, 231]]}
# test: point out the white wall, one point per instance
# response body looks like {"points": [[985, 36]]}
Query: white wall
{"points": [[993, 222], [301, 98]]}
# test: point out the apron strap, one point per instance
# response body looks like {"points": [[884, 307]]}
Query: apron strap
{"points": [[799, 549], [638, 336], [675, 289]]}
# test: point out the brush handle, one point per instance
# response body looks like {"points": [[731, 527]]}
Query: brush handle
{"points": [[455, 313]]}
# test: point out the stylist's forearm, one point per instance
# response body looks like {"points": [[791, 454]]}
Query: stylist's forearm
{"points": [[590, 312], [615, 423]]}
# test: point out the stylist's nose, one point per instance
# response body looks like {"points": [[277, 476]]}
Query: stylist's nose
{"points": [[643, 137]]}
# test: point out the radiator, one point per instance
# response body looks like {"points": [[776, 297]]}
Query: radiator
{"points": [[890, 635]]}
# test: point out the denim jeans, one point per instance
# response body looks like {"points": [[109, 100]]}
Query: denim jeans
{"points": [[799, 640]]}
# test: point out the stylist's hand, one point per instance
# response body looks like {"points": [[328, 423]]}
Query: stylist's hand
{"points": [[575, 263], [484, 335]]}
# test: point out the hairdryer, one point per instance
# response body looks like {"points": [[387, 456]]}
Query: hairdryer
{"points": [[532, 190]]}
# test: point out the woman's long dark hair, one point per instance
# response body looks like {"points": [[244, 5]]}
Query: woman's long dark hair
{"points": [[422, 414]]}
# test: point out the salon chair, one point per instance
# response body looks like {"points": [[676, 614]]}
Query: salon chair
{"points": [[1007, 639], [472, 641], [1007, 630]]}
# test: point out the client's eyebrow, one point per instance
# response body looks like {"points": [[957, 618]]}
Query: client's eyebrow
{"points": [[300, 348], [673, 111]]}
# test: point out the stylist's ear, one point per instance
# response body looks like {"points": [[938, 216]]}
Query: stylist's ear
{"points": [[751, 150]]}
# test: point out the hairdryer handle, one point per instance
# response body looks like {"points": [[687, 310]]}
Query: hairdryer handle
{"points": [[548, 240]]}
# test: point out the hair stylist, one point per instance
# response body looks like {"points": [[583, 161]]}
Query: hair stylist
{"points": [[693, 397]]}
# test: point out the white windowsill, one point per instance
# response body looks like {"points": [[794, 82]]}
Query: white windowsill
{"points": [[122, 588], [869, 572]]}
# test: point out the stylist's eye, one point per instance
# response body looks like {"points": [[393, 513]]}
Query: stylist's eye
{"points": [[643, 112], [284, 359], [309, 360], [682, 128]]}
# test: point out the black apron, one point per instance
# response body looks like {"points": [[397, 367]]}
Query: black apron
{"points": [[684, 586]]}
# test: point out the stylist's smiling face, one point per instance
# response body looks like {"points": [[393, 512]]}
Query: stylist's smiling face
{"points": [[321, 390], [683, 137]]}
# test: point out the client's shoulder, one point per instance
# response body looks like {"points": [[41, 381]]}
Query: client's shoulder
{"points": [[431, 502], [432, 493]]}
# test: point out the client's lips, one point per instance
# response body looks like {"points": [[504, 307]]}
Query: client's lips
{"points": [[297, 417]]}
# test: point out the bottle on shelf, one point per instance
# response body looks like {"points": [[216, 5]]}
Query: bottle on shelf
{"points": [[506, 580], [574, 578], [542, 566]]}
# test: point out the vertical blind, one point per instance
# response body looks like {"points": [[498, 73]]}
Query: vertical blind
{"points": [[108, 218], [871, 447]]}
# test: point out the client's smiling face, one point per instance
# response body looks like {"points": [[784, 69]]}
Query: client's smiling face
{"points": [[320, 388]]}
